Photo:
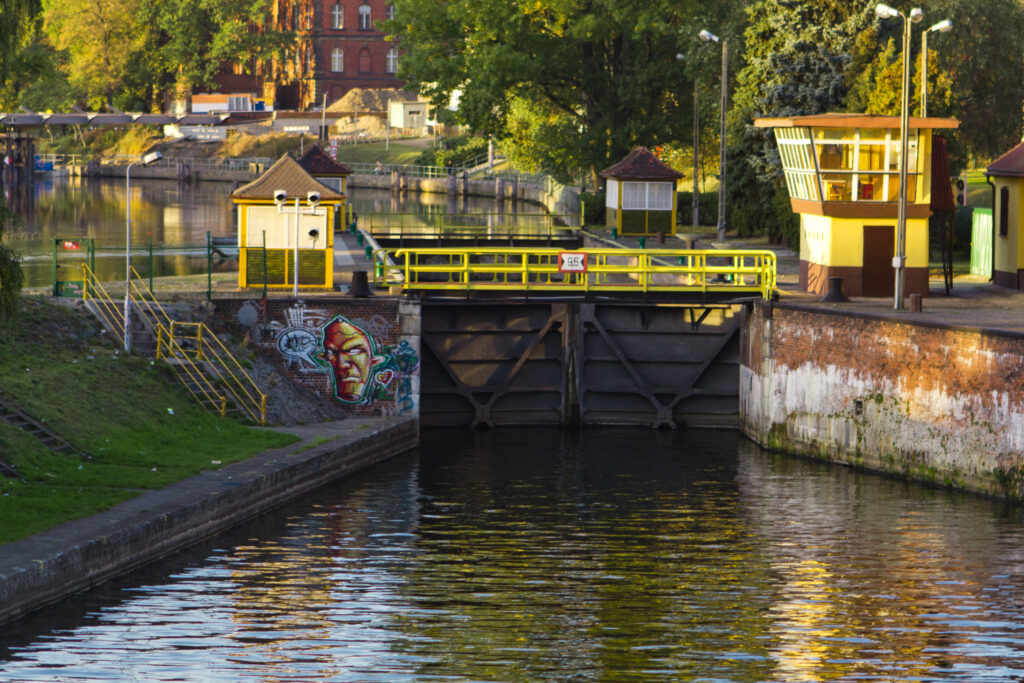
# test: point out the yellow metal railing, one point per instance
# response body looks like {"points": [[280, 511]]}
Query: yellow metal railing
{"points": [[109, 312], [725, 271], [199, 343], [194, 343]]}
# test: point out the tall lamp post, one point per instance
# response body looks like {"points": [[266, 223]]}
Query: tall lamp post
{"points": [[944, 26], [146, 160], [899, 261], [707, 37], [696, 144]]}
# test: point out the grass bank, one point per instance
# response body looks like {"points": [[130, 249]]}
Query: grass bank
{"points": [[138, 425]]}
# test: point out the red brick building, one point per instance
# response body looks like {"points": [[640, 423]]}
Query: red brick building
{"points": [[338, 47]]}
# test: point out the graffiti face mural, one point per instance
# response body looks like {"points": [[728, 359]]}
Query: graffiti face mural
{"points": [[351, 353]]}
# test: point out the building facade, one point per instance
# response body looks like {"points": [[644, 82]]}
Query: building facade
{"points": [[338, 47]]}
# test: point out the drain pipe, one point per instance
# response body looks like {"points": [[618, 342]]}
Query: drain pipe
{"points": [[988, 179]]}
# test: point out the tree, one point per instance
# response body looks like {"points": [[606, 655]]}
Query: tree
{"points": [[17, 24], [798, 61], [191, 41], [596, 77]]}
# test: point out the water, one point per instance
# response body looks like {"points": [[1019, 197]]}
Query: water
{"points": [[539, 555], [176, 217]]}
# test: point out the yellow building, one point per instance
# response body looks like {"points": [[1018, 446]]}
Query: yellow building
{"points": [[641, 195], [286, 221], [842, 174], [1007, 175]]}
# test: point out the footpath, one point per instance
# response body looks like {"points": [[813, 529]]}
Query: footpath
{"points": [[78, 555]]}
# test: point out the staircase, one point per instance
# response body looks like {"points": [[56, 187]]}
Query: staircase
{"points": [[13, 416], [199, 359]]}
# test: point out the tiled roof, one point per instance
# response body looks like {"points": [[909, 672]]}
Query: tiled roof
{"points": [[640, 164], [1010, 164], [287, 175], [318, 163]]}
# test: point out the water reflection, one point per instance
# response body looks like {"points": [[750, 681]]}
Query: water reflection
{"points": [[172, 216], [544, 555]]}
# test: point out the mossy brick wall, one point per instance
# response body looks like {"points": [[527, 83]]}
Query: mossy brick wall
{"points": [[292, 334], [934, 403]]}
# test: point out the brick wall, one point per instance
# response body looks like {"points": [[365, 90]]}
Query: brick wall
{"points": [[363, 353], [934, 403]]}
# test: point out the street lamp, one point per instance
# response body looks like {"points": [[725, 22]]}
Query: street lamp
{"points": [[707, 37], [696, 143], [899, 261], [146, 160], [944, 26]]}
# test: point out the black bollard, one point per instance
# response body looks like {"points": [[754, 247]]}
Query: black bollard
{"points": [[835, 291], [360, 287]]}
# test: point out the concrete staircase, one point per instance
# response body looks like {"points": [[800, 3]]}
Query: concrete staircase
{"points": [[12, 415]]}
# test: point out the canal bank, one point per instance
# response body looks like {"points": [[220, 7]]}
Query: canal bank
{"points": [[47, 567], [934, 397]]}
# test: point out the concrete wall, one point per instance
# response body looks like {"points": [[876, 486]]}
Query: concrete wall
{"points": [[386, 378], [938, 404]]}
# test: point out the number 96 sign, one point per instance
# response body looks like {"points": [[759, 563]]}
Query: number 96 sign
{"points": [[572, 262]]}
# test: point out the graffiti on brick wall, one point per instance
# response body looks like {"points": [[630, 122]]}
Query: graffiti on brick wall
{"points": [[360, 369]]}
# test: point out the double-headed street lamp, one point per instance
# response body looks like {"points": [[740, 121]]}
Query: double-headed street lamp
{"points": [[882, 11], [146, 160], [900, 259], [708, 37], [944, 26]]}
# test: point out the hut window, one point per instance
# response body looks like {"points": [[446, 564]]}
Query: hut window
{"points": [[634, 195], [659, 196], [647, 196], [1004, 211]]}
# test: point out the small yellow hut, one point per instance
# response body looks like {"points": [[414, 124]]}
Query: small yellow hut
{"points": [[842, 173], [286, 228], [641, 195], [1007, 175]]}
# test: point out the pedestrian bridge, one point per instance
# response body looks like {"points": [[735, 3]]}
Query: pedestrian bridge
{"points": [[681, 274]]}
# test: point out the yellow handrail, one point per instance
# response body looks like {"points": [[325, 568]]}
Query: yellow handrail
{"points": [[724, 271], [227, 368], [112, 316], [198, 382]]}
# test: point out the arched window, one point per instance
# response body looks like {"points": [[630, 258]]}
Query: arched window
{"points": [[365, 19], [364, 61], [337, 60], [337, 17], [392, 61]]}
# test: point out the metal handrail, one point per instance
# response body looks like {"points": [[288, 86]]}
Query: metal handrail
{"points": [[603, 270], [110, 314], [220, 358], [221, 362], [198, 380], [482, 219]]}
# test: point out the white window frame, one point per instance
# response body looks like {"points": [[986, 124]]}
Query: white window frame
{"points": [[391, 63], [365, 18], [338, 60], [338, 16]]}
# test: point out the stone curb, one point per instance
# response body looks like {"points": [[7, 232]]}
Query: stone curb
{"points": [[49, 566]]}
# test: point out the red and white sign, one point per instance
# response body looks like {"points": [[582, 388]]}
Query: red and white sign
{"points": [[70, 245], [572, 262], [334, 148]]}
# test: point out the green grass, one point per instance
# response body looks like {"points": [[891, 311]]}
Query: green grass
{"points": [[132, 416], [398, 154]]}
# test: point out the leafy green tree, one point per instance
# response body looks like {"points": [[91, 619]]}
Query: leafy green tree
{"points": [[11, 276], [594, 78], [798, 56], [17, 24], [191, 41]]}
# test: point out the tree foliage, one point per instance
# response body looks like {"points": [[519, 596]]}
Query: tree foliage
{"points": [[586, 79]]}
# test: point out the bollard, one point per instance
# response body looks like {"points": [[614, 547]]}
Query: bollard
{"points": [[369, 252], [661, 238], [615, 233], [915, 303], [360, 286], [643, 242], [359, 238], [835, 292]]}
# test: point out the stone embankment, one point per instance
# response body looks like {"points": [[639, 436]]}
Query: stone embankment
{"points": [[937, 402], [47, 567]]}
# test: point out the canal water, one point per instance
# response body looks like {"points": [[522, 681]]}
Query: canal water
{"points": [[546, 555], [174, 217]]}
